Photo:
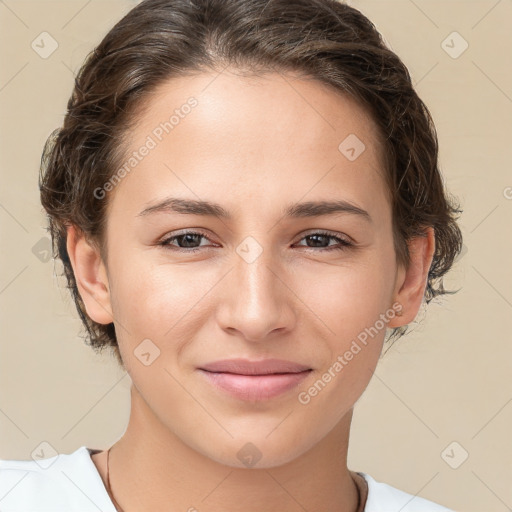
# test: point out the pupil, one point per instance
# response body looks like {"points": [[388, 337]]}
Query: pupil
{"points": [[315, 239], [187, 238]]}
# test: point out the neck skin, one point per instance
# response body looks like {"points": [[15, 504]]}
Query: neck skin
{"points": [[171, 476]]}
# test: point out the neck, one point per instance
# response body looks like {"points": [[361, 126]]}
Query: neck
{"points": [[168, 471]]}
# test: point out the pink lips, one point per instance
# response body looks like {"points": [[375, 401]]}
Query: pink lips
{"points": [[255, 380]]}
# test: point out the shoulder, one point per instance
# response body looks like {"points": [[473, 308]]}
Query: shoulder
{"points": [[65, 482], [383, 497]]}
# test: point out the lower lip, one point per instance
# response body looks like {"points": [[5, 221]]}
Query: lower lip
{"points": [[255, 387]]}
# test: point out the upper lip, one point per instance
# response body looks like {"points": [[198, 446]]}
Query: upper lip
{"points": [[246, 367]]}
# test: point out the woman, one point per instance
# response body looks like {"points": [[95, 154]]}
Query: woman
{"points": [[245, 197]]}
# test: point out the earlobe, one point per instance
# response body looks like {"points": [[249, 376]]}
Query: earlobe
{"points": [[411, 282], [91, 276]]}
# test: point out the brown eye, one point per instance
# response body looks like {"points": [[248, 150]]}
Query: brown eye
{"points": [[186, 241], [319, 238]]}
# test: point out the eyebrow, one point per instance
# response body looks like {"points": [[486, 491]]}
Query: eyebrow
{"points": [[299, 210]]}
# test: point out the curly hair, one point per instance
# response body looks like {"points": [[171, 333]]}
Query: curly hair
{"points": [[326, 40]]}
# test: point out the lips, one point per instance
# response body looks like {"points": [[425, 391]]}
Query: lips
{"points": [[246, 367], [254, 380]]}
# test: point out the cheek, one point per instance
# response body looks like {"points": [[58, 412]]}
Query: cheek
{"points": [[352, 303], [154, 300], [347, 297]]}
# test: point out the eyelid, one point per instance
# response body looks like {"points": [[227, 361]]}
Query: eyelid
{"points": [[327, 232], [187, 231], [198, 231]]}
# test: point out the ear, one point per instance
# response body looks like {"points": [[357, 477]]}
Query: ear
{"points": [[91, 276], [411, 282]]}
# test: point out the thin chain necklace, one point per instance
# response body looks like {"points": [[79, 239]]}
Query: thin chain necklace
{"points": [[119, 509], [359, 508]]}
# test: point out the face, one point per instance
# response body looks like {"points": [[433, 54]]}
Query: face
{"points": [[262, 274]]}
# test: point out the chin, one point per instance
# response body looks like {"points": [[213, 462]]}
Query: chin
{"points": [[257, 451]]}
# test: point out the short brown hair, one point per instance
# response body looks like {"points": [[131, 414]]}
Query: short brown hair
{"points": [[159, 39]]}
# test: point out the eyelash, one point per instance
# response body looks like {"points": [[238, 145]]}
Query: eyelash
{"points": [[344, 244]]}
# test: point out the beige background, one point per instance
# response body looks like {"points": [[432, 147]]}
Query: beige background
{"points": [[448, 381]]}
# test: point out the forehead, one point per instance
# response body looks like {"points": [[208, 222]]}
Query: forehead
{"points": [[228, 136]]}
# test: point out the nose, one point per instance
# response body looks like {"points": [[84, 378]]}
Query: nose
{"points": [[256, 302]]}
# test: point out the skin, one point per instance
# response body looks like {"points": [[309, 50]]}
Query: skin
{"points": [[253, 145]]}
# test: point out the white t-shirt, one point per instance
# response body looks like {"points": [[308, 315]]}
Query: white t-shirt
{"points": [[71, 483]]}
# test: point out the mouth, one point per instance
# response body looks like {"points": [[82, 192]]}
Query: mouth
{"points": [[256, 380]]}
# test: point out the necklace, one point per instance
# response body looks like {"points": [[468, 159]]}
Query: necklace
{"points": [[360, 506], [119, 509]]}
